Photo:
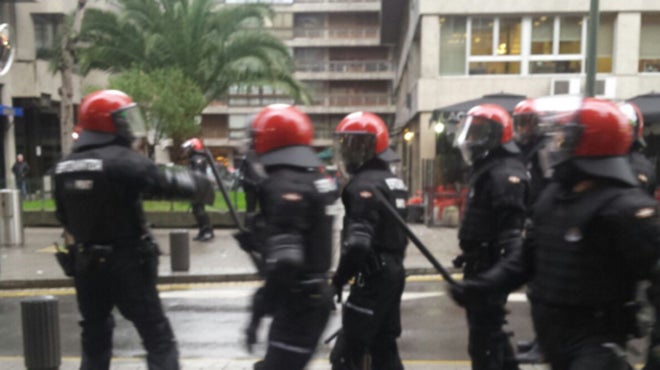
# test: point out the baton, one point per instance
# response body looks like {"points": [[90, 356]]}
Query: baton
{"points": [[418, 243], [232, 210], [225, 195]]}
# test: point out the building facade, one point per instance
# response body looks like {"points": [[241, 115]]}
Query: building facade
{"points": [[449, 52], [30, 91], [338, 55]]}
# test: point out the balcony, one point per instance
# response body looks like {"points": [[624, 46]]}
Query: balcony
{"points": [[335, 36], [346, 70]]}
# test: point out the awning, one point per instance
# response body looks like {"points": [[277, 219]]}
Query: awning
{"points": [[455, 112], [6, 110], [649, 105]]}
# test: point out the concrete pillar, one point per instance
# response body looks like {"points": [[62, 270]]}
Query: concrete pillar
{"points": [[626, 43], [430, 46]]}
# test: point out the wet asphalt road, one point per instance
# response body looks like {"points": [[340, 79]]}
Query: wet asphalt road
{"points": [[208, 321]]}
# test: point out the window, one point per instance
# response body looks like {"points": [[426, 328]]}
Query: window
{"points": [[522, 44], [46, 30], [452, 45], [556, 44], [494, 45], [238, 126], [649, 47]]}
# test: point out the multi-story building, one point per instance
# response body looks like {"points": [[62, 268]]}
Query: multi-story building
{"points": [[29, 92], [338, 55], [452, 51]]}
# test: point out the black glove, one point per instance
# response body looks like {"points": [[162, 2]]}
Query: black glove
{"points": [[463, 293]]}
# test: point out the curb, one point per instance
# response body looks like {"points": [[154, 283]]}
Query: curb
{"points": [[179, 279]]}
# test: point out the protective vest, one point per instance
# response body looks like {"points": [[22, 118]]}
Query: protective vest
{"points": [[98, 193], [388, 236], [576, 264], [294, 201], [500, 182], [644, 171], [198, 163]]}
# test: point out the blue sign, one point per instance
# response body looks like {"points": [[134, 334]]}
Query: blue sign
{"points": [[6, 110]]}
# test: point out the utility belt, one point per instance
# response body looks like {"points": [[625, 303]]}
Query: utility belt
{"points": [[85, 257], [477, 256], [620, 319]]}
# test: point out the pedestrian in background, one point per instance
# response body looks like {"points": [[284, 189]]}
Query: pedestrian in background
{"points": [[194, 149], [296, 238], [492, 225], [98, 197], [373, 246], [596, 235], [20, 170]]}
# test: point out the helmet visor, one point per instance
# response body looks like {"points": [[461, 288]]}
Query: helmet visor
{"points": [[352, 150], [526, 128], [129, 122], [476, 136]]}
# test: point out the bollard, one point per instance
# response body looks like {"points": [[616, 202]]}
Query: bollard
{"points": [[179, 250], [41, 333]]}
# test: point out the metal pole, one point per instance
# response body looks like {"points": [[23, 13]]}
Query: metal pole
{"points": [[41, 333], [418, 243], [592, 44], [179, 250]]}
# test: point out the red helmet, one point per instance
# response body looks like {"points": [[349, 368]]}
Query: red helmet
{"points": [[525, 123], [192, 145], [485, 127], [282, 134], [593, 133], [636, 120], [107, 115], [359, 137]]}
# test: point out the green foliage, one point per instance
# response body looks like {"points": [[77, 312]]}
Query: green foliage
{"points": [[236, 197], [169, 100], [216, 47]]}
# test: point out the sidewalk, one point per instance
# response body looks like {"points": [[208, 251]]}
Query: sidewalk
{"points": [[33, 264]]}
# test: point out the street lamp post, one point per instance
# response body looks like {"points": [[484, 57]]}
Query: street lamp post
{"points": [[592, 44]]}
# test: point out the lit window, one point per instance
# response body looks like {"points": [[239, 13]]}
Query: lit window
{"points": [[495, 45], [649, 47]]}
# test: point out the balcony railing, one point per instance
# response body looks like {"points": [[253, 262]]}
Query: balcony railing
{"points": [[294, 1], [346, 66], [351, 100], [327, 100], [336, 33]]}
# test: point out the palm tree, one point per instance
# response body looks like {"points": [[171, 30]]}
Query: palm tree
{"points": [[215, 47]]}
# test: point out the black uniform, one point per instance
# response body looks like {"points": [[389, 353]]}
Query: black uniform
{"points": [[644, 170], [537, 178], [296, 235], [373, 248], [492, 224], [199, 164], [587, 251], [98, 196]]}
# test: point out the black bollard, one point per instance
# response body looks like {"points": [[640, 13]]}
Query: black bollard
{"points": [[179, 250], [41, 333]]}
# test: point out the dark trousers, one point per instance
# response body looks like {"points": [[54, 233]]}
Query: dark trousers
{"points": [[578, 340], [297, 326], [488, 345], [201, 217], [371, 321], [125, 278]]}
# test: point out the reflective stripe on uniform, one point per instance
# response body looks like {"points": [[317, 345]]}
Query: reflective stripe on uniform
{"points": [[290, 348], [366, 311]]}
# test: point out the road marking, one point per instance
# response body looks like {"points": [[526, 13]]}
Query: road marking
{"points": [[49, 249]]}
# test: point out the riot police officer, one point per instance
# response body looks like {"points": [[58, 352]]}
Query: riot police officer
{"points": [[642, 168], [596, 234], [492, 224], [194, 149], [528, 136], [98, 192], [373, 246], [295, 235]]}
